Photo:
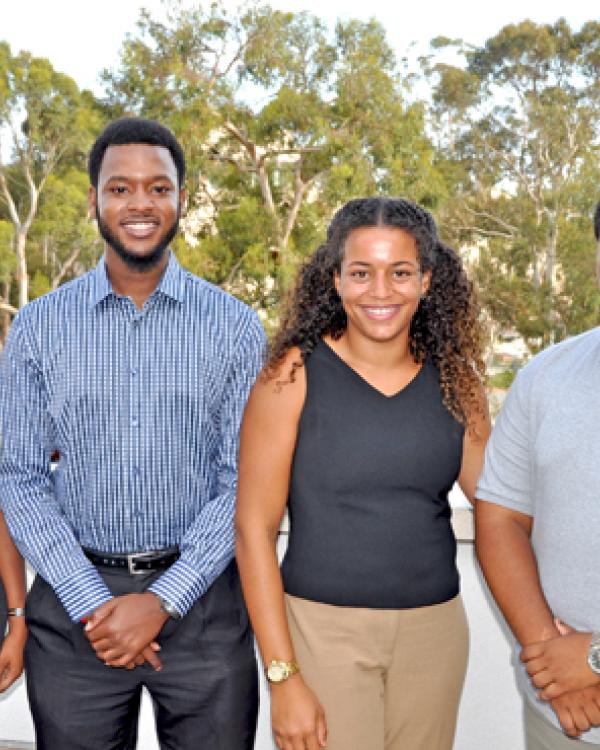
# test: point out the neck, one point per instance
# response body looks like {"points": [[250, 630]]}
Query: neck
{"points": [[125, 281], [377, 354]]}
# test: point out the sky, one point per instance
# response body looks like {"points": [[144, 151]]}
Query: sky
{"points": [[80, 38]]}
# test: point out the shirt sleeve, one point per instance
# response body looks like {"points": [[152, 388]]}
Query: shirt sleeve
{"points": [[208, 545], [506, 476], [40, 530]]}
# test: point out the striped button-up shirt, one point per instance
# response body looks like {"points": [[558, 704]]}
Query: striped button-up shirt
{"points": [[144, 408]]}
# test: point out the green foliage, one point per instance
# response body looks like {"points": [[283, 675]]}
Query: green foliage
{"points": [[519, 128], [8, 260], [502, 379], [282, 120]]}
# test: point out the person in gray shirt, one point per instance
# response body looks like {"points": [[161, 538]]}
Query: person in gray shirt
{"points": [[537, 520]]}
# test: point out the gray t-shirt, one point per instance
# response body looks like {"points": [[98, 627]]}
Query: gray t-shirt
{"points": [[543, 459]]}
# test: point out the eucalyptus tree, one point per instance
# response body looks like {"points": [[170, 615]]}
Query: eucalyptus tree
{"points": [[519, 123], [44, 118], [282, 119]]}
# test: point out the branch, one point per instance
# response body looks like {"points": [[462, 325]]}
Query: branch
{"points": [[486, 232], [299, 193], [65, 267], [33, 198], [216, 156], [496, 219], [300, 150], [12, 209], [5, 307], [231, 275], [239, 136]]}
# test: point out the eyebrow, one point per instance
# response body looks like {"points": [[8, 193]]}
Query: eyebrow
{"points": [[396, 263], [128, 178]]}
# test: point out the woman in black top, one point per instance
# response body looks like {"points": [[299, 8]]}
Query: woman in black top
{"points": [[370, 407]]}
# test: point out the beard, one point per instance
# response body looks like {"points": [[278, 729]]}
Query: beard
{"points": [[139, 263]]}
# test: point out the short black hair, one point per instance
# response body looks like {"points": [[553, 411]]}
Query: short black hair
{"points": [[597, 222], [128, 130]]}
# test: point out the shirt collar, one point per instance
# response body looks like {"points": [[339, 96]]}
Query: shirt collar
{"points": [[171, 284]]}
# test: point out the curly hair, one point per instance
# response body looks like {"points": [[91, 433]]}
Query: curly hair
{"points": [[446, 327]]}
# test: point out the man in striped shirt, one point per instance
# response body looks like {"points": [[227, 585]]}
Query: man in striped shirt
{"points": [[137, 374]]}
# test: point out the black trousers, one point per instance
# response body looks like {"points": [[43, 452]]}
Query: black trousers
{"points": [[205, 697]]}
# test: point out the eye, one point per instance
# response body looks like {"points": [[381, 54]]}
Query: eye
{"points": [[118, 189], [404, 274], [359, 274], [162, 189]]}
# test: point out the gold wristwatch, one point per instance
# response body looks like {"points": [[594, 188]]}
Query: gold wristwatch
{"points": [[279, 671]]}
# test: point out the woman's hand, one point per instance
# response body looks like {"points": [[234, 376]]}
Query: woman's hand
{"points": [[11, 654], [297, 717]]}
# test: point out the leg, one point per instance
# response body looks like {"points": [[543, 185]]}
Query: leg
{"points": [[426, 676], [206, 695], [340, 654], [77, 703], [541, 735]]}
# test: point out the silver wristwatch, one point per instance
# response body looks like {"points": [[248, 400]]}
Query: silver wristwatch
{"points": [[593, 658], [168, 608]]}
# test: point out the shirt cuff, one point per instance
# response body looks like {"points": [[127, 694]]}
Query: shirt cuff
{"points": [[181, 586], [82, 593]]}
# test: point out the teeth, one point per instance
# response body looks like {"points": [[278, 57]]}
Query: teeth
{"points": [[140, 224], [380, 310]]}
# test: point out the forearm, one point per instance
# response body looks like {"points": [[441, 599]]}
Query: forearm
{"points": [[509, 566], [207, 548], [12, 569], [263, 592]]}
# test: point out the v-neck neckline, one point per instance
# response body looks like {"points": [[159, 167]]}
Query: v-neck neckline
{"points": [[336, 357]]}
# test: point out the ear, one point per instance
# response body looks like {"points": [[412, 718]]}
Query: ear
{"points": [[425, 282], [183, 200], [336, 281], [92, 202]]}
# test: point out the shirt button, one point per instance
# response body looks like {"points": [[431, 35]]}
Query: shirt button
{"points": [[134, 421], [133, 371], [136, 471]]}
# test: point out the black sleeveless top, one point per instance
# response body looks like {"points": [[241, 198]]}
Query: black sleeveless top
{"points": [[368, 501]]}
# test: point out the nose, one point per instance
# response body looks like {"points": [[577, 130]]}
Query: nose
{"points": [[380, 285], [139, 199]]}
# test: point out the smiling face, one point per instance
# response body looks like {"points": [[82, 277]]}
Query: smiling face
{"points": [[137, 202], [380, 282]]}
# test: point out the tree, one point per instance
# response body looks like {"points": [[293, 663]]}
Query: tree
{"points": [[520, 127], [282, 120], [46, 119]]}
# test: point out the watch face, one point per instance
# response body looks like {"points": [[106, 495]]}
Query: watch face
{"points": [[594, 659], [275, 672]]}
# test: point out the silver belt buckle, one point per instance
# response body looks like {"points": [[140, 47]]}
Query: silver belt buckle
{"points": [[131, 559]]}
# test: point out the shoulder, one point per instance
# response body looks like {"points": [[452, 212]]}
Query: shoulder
{"points": [[41, 319], [282, 389], [210, 295], [220, 306], [68, 294], [559, 362]]}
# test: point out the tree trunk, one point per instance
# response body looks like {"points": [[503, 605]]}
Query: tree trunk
{"points": [[21, 275]]}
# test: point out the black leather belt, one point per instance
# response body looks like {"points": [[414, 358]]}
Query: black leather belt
{"points": [[139, 562]]}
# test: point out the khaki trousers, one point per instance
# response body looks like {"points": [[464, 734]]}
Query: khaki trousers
{"points": [[387, 679], [540, 734]]}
